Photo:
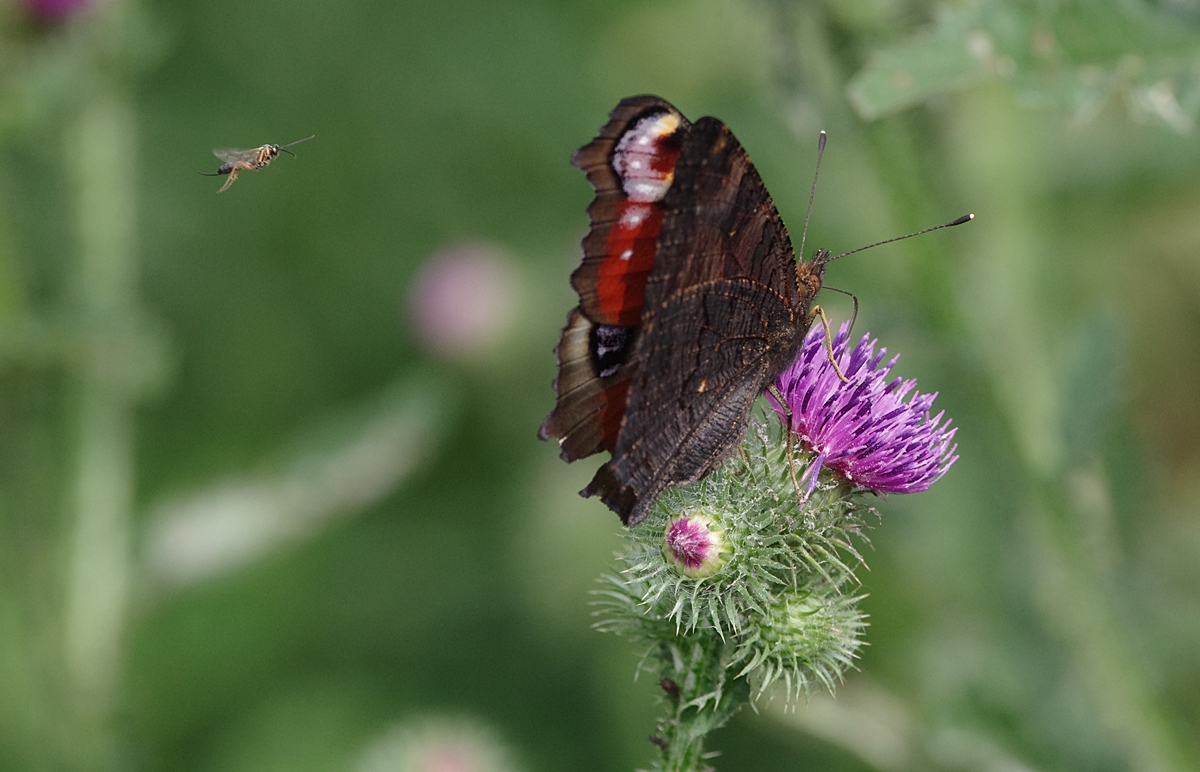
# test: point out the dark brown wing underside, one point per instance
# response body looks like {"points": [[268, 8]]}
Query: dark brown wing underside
{"points": [[721, 319], [713, 348]]}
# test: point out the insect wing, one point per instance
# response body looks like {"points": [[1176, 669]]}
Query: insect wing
{"points": [[232, 156]]}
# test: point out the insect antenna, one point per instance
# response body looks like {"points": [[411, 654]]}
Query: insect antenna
{"points": [[297, 142], [813, 192], [284, 148], [965, 218]]}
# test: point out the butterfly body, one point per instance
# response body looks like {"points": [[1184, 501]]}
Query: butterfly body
{"points": [[691, 303]]}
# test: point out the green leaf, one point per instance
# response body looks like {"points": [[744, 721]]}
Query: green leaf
{"points": [[905, 76]]}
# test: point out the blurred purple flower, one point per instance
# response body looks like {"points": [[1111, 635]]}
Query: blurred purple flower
{"points": [[433, 744], [55, 10], [865, 429], [463, 300]]}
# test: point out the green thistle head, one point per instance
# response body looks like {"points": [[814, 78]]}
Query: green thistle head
{"points": [[739, 557]]}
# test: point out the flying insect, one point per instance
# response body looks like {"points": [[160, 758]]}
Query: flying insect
{"points": [[249, 160]]}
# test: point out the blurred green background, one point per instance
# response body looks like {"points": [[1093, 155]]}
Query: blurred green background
{"points": [[270, 493]]}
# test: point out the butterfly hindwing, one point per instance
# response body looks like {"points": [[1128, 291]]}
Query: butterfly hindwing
{"points": [[689, 403], [591, 406]]}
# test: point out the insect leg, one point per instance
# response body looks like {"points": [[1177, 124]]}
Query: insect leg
{"points": [[233, 175], [829, 342], [787, 430]]}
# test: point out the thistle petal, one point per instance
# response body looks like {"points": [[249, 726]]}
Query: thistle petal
{"points": [[876, 434]]}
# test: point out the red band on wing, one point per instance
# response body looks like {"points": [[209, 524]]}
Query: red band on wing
{"points": [[644, 160], [631, 166], [621, 276], [612, 413]]}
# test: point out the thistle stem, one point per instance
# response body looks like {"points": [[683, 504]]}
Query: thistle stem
{"points": [[102, 153], [701, 696]]}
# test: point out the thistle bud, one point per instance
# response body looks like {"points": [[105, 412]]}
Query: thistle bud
{"points": [[695, 545]]}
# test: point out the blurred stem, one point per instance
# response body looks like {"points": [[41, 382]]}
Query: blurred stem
{"points": [[1008, 274], [102, 158], [1070, 588]]}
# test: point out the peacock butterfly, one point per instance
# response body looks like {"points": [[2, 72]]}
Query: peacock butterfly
{"points": [[691, 302]]}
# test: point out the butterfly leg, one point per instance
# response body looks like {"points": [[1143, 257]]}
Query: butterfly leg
{"points": [[787, 430], [829, 342]]}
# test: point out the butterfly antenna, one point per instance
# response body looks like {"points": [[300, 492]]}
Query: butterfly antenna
{"points": [[812, 193], [959, 221]]}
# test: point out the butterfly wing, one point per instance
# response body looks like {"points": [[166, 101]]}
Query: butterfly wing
{"points": [[618, 254], [721, 321], [610, 284], [689, 305]]}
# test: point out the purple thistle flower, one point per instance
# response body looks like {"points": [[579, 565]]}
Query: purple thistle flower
{"points": [[865, 430]]}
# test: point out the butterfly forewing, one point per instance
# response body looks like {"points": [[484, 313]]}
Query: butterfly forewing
{"points": [[610, 212], [719, 221], [619, 248]]}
